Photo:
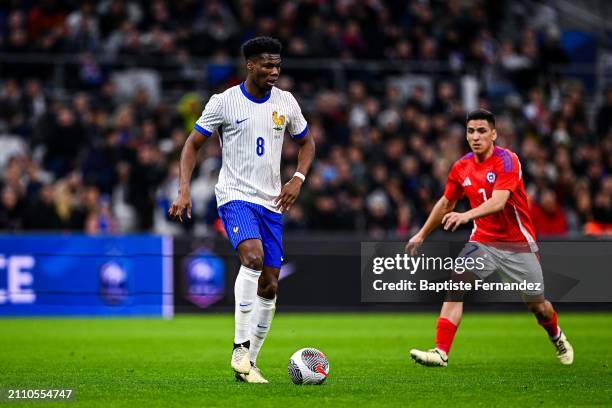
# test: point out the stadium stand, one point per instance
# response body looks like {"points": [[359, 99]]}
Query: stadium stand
{"points": [[97, 98]]}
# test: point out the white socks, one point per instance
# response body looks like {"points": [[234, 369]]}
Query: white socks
{"points": [[253, 314], [245, 292], [260, 324]]}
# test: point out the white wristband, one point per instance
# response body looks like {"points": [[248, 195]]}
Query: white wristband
{"points": [[300, 176]]}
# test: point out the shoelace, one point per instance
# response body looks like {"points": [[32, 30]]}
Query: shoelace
{"points": [[560, 345], [240, 353]]}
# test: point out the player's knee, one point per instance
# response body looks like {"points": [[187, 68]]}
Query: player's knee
{"points": [[253, 260]]}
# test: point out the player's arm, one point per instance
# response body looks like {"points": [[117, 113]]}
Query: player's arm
{"points": [[189, 156], [212, 117], [439, 211], [452, 192], [496, 203], [298, 129], [291, 189]]}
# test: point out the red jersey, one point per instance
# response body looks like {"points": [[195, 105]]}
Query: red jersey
{"points": [[501, 171]]}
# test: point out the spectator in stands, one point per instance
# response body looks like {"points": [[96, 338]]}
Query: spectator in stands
{"points": [[547, 215], [384, 139], [41, 213], [64, 141], [604, 114], [11, 209], [145, 176]]}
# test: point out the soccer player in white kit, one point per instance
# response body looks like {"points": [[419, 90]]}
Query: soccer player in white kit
{"points": [[251, 119]]}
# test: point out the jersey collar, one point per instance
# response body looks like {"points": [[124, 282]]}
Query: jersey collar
{"points": [[496, 152], [252, 98]]}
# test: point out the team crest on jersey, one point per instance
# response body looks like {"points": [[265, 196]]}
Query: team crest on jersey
{"points": [[279, 121], [491, 177]]}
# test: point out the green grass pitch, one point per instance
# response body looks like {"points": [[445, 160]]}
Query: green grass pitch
{"points": [[497, 359]]}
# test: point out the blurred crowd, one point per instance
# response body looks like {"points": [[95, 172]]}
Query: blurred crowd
{"points": [[102, 160]]}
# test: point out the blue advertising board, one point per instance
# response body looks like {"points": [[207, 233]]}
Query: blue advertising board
{"points": [[84, 275], [204, 274]]}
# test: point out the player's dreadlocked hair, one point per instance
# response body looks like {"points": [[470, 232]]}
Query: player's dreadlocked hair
{"points": [[261, 45], [481, 114]]}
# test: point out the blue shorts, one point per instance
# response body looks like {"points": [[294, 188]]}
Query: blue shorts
{"points": [[243, 220]]}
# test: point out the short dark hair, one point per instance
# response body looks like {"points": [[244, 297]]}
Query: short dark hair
{"points": [[261, 45], [481, 114]]}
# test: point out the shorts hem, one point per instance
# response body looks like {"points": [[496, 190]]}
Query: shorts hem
{"points": [[244, 239], [273, 266]]}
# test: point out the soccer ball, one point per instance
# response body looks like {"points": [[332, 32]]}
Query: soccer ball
{"points": [[308, 366]]}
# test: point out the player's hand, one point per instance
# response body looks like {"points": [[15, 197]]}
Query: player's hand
{"points": [[180, 204], [414, 244], [453, 220], [288, 194]]}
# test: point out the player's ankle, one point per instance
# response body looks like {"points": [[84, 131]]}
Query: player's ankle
{"points": [[246, 344]]}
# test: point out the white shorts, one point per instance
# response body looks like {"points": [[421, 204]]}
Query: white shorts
{"points": [[513, 267]]}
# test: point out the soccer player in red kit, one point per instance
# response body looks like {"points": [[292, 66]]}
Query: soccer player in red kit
{"points": [[503, 234]]}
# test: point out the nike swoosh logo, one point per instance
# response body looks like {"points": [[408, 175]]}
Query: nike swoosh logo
{"points": [[262, 327], [442, 357], [244, 304], [240, 121]]}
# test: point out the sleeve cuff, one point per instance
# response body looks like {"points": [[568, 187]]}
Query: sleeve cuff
{"points": [[301, 134], [202, 130], [453, 197]]}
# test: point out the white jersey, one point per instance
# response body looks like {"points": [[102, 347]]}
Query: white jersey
{"points": [[252, 132]]}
